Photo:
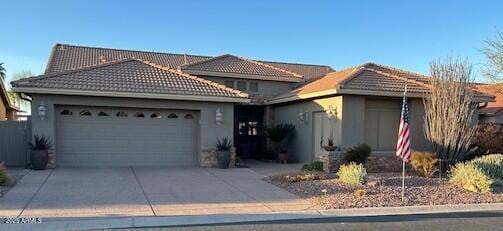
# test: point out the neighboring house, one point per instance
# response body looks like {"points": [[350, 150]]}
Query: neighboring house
{"points": [[7, 109], [493, 111], [110, 107]]}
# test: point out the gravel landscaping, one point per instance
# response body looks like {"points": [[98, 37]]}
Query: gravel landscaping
{"points": [[16, 175], [383, 190]]}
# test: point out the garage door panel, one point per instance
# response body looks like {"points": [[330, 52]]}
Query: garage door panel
{"points": [[125, 141]]}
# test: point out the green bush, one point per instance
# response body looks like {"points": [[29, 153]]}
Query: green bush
{"points": [[424, 163], [4, 175], [314, 166], [470, 177], [491, 165], [358, 154], [352, 173]]}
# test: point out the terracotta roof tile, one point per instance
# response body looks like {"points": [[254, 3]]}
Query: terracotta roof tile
{"points": [[497, 91], [369, 77], [69, 57], [130, 75]]}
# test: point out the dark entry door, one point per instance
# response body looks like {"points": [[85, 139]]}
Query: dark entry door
{"points": [[248, 132]]}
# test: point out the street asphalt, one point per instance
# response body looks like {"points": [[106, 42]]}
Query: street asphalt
{"points": [[478, 221]]}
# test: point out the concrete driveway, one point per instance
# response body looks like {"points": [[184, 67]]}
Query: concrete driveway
{"points": [[96, 192]]}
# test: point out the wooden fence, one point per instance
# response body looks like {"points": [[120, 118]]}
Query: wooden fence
{"points": [[14, 146]]}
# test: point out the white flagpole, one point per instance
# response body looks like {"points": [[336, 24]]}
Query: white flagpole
{"points": [[403, 163]]}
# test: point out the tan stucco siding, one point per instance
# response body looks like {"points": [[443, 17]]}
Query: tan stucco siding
{"points": [[300, 144], [208, 129], [350, 124], [266, 88]]}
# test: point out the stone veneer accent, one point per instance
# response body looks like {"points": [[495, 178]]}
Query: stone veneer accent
{"points": [[331, 160], [208, 158], [51, 162]]}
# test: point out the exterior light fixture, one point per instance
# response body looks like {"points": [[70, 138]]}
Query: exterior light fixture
{"points": [[42, 111], [219, 117], [304, 117], [332, 112]]}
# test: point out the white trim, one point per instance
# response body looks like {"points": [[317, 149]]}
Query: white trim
{"points": [[130, 95], [243, 76]]}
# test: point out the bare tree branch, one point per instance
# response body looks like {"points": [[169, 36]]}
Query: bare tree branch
{"points": [[449, 109]]}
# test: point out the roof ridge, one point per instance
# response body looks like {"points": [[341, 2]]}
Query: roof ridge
{"points": [[400, 77], [86, 68], [294, 63], [223, 87], [395, 68], [270, 66], [118, 49], [204, 61]]}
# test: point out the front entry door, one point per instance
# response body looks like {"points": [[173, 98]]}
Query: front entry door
{"points": [[321, 132], [248, 131]]}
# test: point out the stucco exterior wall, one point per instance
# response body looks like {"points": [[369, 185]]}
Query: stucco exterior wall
{"points": [[349, 129], [208, 129], [266, 88], [300, 143]]}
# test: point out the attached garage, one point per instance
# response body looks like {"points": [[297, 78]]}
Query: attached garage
{"points": [[108, 136]]}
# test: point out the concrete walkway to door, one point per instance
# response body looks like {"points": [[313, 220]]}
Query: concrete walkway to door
{"points": [[98, 192]]}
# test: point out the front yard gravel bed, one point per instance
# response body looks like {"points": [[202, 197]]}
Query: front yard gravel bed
{"points": [[384, 190]]}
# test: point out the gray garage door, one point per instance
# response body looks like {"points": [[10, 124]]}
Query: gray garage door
{"points": [[93, 136]]}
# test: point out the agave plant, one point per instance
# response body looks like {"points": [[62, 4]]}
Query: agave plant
{"points": [[224, 144], [41, 143]]}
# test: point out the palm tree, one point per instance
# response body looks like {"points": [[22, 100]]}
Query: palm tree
{"points": [[2, 72]]}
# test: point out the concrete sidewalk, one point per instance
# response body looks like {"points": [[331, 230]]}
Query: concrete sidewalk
{"points": [[145, 222]]}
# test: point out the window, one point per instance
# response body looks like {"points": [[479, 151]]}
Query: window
{"points": [[242, 85], [85, 113], [121, 114], [103, 114], [139, 114], [172, 116], [66, 112], [155, 115], [229, 83], [188, 116], [253, 87], [252, 128]]}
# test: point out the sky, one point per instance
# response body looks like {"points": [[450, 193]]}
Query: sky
{"points": [[406, 34]]}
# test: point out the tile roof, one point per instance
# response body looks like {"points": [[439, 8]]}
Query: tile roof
{"points": [[495, 107], [69, 57], [238, 65], [368, 77], [130, 76]]}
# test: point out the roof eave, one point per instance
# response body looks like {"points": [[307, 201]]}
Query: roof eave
{"points": [[53, 91]]}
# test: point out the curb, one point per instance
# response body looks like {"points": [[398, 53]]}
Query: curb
{"points": [[145, 222]]}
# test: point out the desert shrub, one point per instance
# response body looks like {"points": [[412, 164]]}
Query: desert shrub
{"points": [[491, 165], [303, 176], [352, 174], [358, 154], [314, 166], [470, 177], [425, 163], [488, 138], [4, 175]]}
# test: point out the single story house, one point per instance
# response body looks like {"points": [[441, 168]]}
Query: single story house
{"points": [[112, 107], [493, 111]]}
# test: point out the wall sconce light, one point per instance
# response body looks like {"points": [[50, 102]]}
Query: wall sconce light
{"points": [[42, 111], [219, 117], [332, 112], [304, 117]]}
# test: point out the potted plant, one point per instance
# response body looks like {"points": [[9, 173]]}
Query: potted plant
{"points": [[330, 147], [224, 146], [40, 152], [277, 134]]}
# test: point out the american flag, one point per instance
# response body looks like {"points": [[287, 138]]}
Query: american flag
{"points": [[403, 145]]}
